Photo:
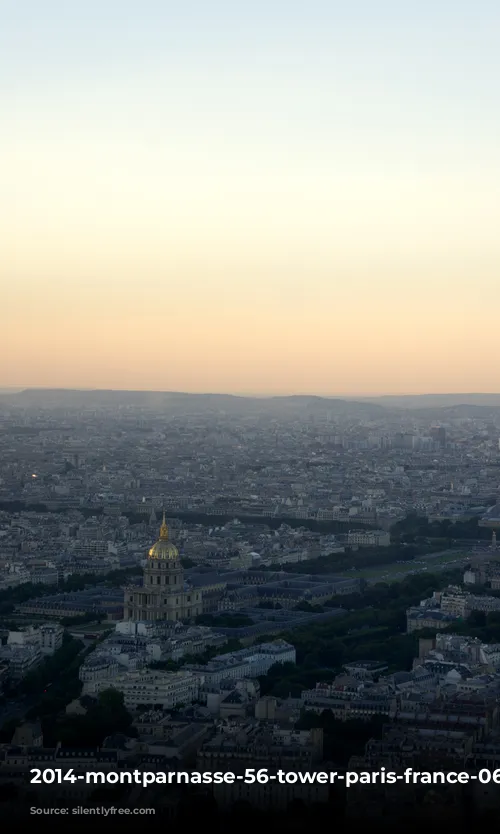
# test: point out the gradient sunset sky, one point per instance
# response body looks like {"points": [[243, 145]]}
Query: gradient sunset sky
{"points": [[250, 197]]}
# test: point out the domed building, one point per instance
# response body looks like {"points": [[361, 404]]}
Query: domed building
{"points": [[164, 594]]}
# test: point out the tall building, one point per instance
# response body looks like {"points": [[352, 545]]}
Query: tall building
{"points": [[438, 434], [164, 595]]}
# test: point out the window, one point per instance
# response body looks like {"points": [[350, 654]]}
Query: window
{"points": [[158, 580]]}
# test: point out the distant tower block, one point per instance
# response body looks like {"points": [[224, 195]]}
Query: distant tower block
{"points": [[494, 540], [438, 434]]}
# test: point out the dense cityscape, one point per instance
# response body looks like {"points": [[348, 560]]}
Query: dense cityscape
{"points": [[300, 582]]}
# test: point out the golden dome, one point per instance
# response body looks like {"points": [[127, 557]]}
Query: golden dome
{"points": [[163, 549]]}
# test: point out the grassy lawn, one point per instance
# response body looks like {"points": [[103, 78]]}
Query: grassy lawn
{"points": [[395, 572], [444, 559]]}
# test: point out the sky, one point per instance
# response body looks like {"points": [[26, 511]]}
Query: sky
{"points": [[250, 197]]}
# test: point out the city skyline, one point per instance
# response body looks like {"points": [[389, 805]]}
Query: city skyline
{"points": [[255, 200]]}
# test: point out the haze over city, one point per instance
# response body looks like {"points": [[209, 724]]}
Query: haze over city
{"points": [[250, 198]]}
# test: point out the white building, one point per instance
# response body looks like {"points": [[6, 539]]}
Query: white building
{"points": [[162, 690], [98, 672], [261, 658], [14, 574], [217, 671], [21, 659], [47, 637], [369, 538], [490, 654], [51, 638], [135, 628], [24, 637], [246, 663]]}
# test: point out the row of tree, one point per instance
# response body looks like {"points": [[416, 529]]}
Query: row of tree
{"points": [[374, 628], [365, 557], [105, 716], [415, 527]]}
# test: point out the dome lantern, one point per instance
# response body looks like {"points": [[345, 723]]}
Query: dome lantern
{"points": [[163, 549]]}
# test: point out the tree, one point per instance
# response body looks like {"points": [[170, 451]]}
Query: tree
{"points": [[110, 699], [8, 730], [105, 716], [477, 619]]}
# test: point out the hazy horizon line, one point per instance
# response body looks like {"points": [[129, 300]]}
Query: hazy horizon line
{"points": [[20, 388]]}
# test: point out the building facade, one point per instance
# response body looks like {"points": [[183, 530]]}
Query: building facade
{"points": [[164, 595], [369, 538], [160, 690]]}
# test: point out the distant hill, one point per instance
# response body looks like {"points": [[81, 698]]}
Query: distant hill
{"points": [[432, 407], [459, 412], [434, 400], [176, 400]]}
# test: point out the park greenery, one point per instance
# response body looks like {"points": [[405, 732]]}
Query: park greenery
{"points": [[54, 684], [55, 671], [105, 716], [342, 739], [411, 538], [373, 628], [414, 527], [365, 557], [51, 685]]}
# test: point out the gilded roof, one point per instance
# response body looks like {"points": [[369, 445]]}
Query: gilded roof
{"points": [[163, 549]]}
